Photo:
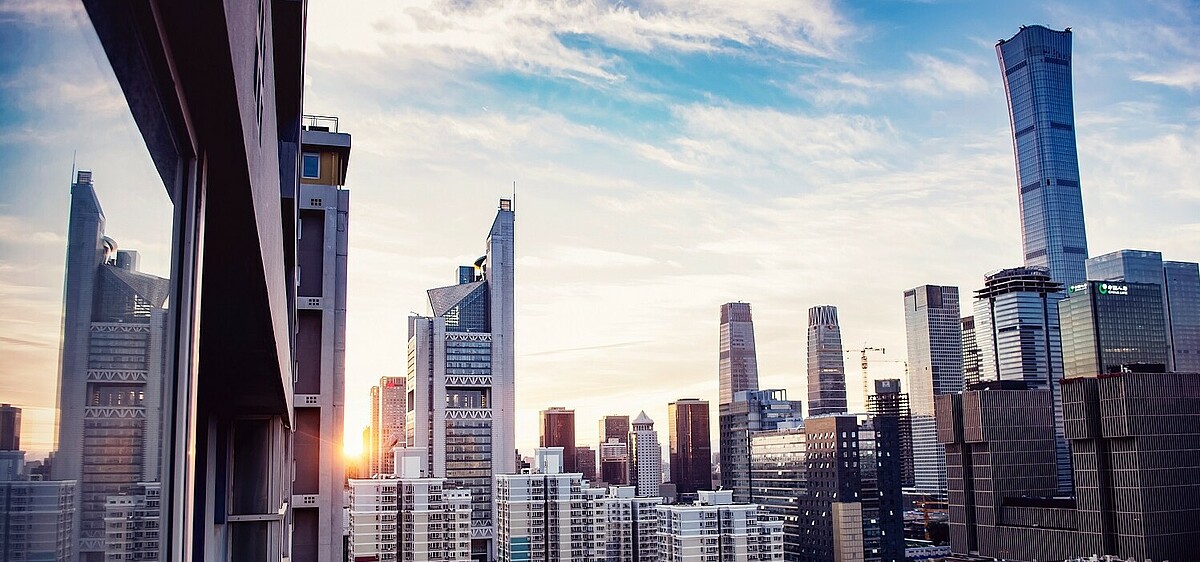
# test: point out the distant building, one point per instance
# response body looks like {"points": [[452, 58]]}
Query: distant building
{"points": [[935, 367], [970, 352], [645, 455], [556, 428], [1017, 328], [714, 528], [614, 450], [133, 521], [548, 514], [1001, 439], [36, 519], [1036, 69], [690, 446], [777, 465], [387, 425], [10, 428], [408, 516], [826, 367], [630, 526], [737, 361], [585, 462], [750, 411], [889, 401], [1109, 327], [1180, 285]]}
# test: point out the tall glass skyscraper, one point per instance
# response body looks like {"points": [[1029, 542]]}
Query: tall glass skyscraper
{"points": [[1036, 65], [1111, 327], [826, 367], [738, 364]]}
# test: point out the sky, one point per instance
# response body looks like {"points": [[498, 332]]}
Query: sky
{"points": [[668, 156]]}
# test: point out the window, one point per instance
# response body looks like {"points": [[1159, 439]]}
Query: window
{"points": [[310, 165]]}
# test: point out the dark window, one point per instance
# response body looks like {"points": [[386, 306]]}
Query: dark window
{"points": [[310, 166]]}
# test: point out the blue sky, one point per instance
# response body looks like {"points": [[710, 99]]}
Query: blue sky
{"points": [[669, 156]]}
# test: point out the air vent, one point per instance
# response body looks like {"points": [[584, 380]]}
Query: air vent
{"points": [[315, 202], [307, 400]]}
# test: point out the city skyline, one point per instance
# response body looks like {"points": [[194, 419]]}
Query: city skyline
{"points": [[716, 234]]}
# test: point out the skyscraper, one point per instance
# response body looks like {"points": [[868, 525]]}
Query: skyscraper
{"points": [[691, 446], [826, 369], [460, 378], [889, 401], [1180, 282], [1109, 327], [10, 428], [322, 245], [556, 428], [391, 416], [751, 411], [111, 370], [737, 365], [614, 450], [1017, 329], [970, 351], [935, 367], [645, 456], [1036, 67]]}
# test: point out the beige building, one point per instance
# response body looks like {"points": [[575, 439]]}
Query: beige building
{"points": [[630, 526], [714, 529], [548, 515]]}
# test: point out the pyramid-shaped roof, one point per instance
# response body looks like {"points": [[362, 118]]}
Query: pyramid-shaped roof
{"points": [[643, 418], [150, 287], [442, 299]]}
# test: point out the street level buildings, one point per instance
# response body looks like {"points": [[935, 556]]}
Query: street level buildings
{"points": [[716, 529], [112, 364], [460, 378], [549, 515], [690, 446], [826, 366], [645, 455], [1036, 69]]}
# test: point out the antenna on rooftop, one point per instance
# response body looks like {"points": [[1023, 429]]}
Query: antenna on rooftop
{"points": [[74, 153]]}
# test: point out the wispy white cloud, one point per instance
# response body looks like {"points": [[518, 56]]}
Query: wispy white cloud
{"points": [[1186, 77], [938, 77]]}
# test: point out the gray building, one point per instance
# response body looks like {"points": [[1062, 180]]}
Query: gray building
{"points": [[133, 522], [110, 383], [36, 519], [460, 379], [1036, 67], [1109, 327], [826, 367], [970, 352], [935, 367], [750, 412], [320, 387], [645, 457], [737, 364], [889, 401], [1017, 330], [777, 465], [1180, 283], [1000, 445]]}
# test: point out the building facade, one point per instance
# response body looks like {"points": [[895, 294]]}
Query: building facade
{"points": [[133, 523], [1019, 336], [889, 401], [110, 385], [585, 462], [714, 528], [630, 526], [690, 446], [10, 428], [549, 515], [777, 464], [826, 366], [36, 519], [935, 366], [614, 450], [1036, 67], [389, 414], [750, 412], [1109, 327], [970, 352], [645, 455], [556, 428], [460, 379], [737, 361]]}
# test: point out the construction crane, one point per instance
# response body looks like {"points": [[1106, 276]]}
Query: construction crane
{"points": [[865, 378]]}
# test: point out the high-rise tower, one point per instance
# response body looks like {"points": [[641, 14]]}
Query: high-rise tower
{"points": [[1036, 66], [738, 364], [111, 371], [556, 428], [645, 454], [460, 379], [690, 445], [826, 369], [935, 367]]}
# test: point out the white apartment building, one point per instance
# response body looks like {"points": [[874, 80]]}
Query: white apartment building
{"points": [[645, 471], [631, 526], [131, 523], [714, 529], [409, 517], [547, 515]]}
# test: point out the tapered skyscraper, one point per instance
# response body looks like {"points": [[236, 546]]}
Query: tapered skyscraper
{"points": [[826, 370], [738, 365], [1036, 65], [460, 378]]}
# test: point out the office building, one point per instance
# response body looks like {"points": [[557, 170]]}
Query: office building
{"points": [[737, 362], [585, 462], [630, 526], [460, 379], [10, 428], [556, 428], [1000, 439], [1018, 332], [645, 457], [322, 243], [548, 514], [715, 528], [132, 523], [373, 433], [36, 519], [110, 386], [1109, 327], [826, 369], [614, 450], [880, 464], [388, 416], [1180, 285], [224, 134], [935, 366], [750, 412], [409, 516], [690, 446], [970, 352], [777, 465], [1036, 67], [889, 401]]}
